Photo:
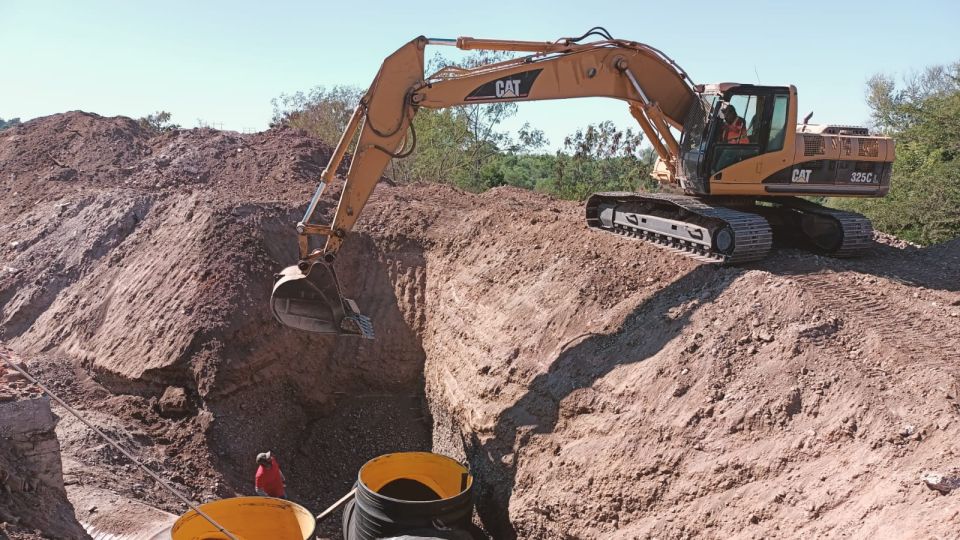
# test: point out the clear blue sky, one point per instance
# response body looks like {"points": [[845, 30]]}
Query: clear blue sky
{"points": [[223, 61]]}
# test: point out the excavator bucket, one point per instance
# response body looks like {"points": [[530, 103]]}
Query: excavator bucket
{"points": [[312, 301]]}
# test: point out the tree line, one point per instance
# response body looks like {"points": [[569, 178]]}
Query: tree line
{"points": [[4, 124], [922, 114], [467, 146]]}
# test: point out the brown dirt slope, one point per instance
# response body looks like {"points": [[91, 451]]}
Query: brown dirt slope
{"points": [[599, 387], [607, 389], [136, 275]]}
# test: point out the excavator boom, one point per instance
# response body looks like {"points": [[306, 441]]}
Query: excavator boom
{"points": [[307, 295], [743, 178]]}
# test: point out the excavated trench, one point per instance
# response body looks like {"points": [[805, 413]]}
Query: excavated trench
{"points": [[326, 405], [598, 387]]}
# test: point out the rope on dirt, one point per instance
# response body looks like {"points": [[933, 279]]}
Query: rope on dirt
{"points": [[343, 500], [116, 445]]}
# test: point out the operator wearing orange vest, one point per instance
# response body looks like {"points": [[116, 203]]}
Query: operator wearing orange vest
{"points": [[735, 129]]}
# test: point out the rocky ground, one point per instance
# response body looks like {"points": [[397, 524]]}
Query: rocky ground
{"points": [[599, 387], [33, 501]]}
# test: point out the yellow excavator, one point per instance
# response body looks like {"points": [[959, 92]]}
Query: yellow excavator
{"points": [[734, 151]]}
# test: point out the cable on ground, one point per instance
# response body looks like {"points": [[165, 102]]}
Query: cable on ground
{"points": [[116, 445]]}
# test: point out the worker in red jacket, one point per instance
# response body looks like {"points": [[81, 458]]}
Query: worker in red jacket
{"points": [[269, 481]]}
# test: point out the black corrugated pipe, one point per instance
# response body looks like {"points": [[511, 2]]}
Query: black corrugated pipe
{"points": [[412, 493]]}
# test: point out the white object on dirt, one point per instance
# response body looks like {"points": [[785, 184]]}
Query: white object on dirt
{"points": [[940, 482]]}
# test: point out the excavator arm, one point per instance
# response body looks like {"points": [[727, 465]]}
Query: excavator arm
{"points": [[658, 92]]}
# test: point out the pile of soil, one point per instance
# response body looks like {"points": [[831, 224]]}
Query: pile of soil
{"points": [[601, 387], [137, 280], [598, 386]]}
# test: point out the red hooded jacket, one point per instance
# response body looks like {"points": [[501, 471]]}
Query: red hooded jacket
{"points": [[270, 479]]}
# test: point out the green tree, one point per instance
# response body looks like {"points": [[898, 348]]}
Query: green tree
{"points": [[158, 122], [923, 117], [466, 145], [4, 124], [322, 112], [601, 157], [440, 155]]}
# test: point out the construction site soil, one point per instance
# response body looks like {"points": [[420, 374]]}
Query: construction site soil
{"points": [[598, 387]]}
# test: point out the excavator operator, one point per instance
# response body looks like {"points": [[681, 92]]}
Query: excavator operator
{"points": [[734, 129]]}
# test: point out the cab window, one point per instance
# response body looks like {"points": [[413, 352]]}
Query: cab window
{"points": [[748, 109], [764, 116], [778, 123]]}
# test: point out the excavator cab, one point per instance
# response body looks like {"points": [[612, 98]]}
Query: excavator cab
{"points": [[307, 297], [707, 147]]}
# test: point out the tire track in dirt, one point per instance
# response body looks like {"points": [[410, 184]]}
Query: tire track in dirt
{"points": [[897, 325]]}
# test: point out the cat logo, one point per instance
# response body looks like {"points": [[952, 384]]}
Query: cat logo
{"points": [[513, 86], [508, 88], [801, 176]]}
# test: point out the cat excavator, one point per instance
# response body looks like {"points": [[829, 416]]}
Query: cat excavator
{"points": [[732, 158]]}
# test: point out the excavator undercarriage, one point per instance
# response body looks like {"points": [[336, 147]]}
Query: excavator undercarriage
{"points": [[728, 230]]}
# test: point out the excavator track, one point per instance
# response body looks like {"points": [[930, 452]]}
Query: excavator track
{"points": [[727, 230], [832, 232], [698, 228]]}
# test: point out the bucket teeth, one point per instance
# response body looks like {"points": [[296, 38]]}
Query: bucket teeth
{"points": [[358, 324]]}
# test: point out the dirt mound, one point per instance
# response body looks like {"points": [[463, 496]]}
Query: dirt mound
{"points": [[62, 153], [152, 286], [602, 387], [598, 386], [142, 276]]}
